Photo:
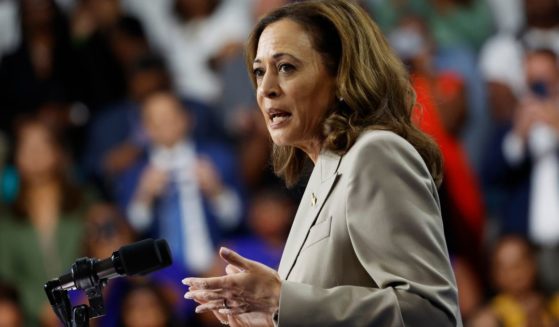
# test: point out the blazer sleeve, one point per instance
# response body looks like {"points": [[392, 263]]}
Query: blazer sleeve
{"points": [[394, 223]]}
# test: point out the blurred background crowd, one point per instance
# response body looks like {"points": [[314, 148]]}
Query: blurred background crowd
{"points": [[121, 120]]}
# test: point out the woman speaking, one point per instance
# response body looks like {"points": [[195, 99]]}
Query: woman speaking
{"points": [[366, 247]]}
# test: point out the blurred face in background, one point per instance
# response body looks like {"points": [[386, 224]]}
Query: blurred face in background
{"points": [[37, 13], [105, 12], [514, 269], [542, 74], [10, 315], [270, 216], [107, 231], [143, 308], [126, 48], [165, 120], [37, 155], [413, 44], [542, 12]]}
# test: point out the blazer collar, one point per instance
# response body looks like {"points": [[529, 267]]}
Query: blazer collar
{"points": [[323, 178]]}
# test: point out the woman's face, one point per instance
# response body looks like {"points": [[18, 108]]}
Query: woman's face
{"points": [[294, 87], [514, 270], [36, 155]]}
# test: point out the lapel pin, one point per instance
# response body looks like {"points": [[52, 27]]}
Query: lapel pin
{"points": [[313, 199]]}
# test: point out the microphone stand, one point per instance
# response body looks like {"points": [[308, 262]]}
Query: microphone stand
{"points": [[84, 278]]}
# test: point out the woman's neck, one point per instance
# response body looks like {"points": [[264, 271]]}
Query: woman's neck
{"points": [[43, 205], [312, 148]]}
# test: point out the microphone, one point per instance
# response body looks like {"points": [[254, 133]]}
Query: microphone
{"points": [[138, 258]]}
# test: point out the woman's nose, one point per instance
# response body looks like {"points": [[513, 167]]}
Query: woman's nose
{"points": [[269, 87]]}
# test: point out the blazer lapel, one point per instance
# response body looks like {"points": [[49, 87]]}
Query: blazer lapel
{"points": [[322, 180]]}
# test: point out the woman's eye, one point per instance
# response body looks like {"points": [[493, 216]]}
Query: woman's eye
{"points": [[258, 72], [286, 68]]}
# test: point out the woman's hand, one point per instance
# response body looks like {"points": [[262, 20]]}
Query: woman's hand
{"points": [[253, 319], [249, 287]]}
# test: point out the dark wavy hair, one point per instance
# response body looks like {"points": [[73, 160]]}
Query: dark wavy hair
{"points": [[371, 80]]}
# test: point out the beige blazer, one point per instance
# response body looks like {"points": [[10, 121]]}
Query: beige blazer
{"points": [[366, 247]]}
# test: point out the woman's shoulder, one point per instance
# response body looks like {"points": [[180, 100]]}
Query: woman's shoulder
{"points": [[379, 142], [379, 135], [385, 151], [12, 227]]}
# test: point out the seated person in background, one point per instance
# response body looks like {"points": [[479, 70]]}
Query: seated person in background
{"points": [[523, 164], [270, 213], [518, 301], [107, 231], [11, 314], [37, 77], [554, 306], [441, 113], [107, 155], [42, 234], [106, 41], [502, 56], [203, 34], [144, 305], [181, 189]]}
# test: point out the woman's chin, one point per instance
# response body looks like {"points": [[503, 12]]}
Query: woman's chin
{"points": [[280, 143], [279, 138]]}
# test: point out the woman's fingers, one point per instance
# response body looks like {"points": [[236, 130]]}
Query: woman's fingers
{"points": [[203, 296], [211, 283], [233, 258], [231, 311], [211, 306], [217, 300], [222, 318], [236, 264], [230, 270], [248, 287], [222, 306]]}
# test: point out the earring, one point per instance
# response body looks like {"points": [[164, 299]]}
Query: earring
{"points": [[340, 99]]}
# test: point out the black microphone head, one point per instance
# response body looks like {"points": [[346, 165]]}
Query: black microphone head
{"points": [[145, 256]]}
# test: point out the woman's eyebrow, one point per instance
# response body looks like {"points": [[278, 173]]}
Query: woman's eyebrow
{"points": [[277, 56]]}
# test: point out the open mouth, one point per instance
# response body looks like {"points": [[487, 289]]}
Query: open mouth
{"points": [[278, 116]]}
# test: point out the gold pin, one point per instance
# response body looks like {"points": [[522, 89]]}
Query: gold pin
{"points": [[313, 199]]}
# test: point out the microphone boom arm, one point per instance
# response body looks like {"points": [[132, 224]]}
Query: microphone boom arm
{"points": [[91, 275], [85, 279]]}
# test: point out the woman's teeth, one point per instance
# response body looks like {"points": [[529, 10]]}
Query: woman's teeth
{"points": [[277, 118]]}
